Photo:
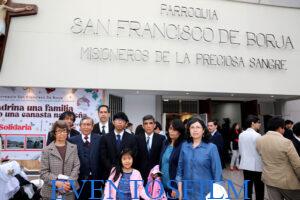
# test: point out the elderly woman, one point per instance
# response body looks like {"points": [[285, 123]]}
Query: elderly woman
{"points": [[59, 158]]}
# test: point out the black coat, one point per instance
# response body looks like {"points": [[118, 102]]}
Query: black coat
{"points": [[296, 144], [96, 128], [94, 157], [50, 137], [146, 162], [109, 153], [217, 139]]}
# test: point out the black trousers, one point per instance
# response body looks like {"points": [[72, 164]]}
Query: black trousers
{"points": [[255, 178]]}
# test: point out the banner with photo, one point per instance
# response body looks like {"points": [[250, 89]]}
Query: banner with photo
{"points": [[27, 114]]}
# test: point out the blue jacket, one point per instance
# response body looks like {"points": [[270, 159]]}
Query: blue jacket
{"points": [[89, 160], [173, 164]]}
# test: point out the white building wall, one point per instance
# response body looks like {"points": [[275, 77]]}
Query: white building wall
{"points": [[291, 110], [137, 106]]}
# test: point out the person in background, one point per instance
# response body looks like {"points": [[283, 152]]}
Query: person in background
{"points": [[129, 128], [103, 126], [250, 160], [170, 155], [69, 117], [281, 163], [158, 129], [59, 158], [235, 159], [216, 138], [288, 133], [139, 130], [88, 145], [123, 176], [296, 137], [198, 160]]}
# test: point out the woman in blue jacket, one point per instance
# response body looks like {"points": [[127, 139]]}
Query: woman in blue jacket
{"points": [[199, 163], [170, 156]]}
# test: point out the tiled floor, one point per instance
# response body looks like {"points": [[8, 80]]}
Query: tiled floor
{"points": [[237, 178]]}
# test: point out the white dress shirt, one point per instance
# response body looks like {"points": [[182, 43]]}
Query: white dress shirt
{"points": [[89, 138], [150, 139], [121, 134], [250, 159], [106, 128]]}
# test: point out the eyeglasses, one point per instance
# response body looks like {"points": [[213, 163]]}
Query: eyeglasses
{"points": [[61, 131]]}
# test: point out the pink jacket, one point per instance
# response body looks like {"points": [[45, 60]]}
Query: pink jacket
{"points": [[155, 188], [136, 175]]}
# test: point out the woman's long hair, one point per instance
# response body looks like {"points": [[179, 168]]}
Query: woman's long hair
{"points": [[206, 135], [119, 168]]}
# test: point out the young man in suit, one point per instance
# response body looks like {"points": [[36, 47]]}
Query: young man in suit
{"points": [[296, 137], [281, 163], [88, 145], [69, 117], [114, 142], [217, 139], [250, 160], [149, 147], [103, 126]]}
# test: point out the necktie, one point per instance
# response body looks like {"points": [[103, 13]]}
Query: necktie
{"points": [[86, 142], [118, 142], [103, 130], [148, 144]]}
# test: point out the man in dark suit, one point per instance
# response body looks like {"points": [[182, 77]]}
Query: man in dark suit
{"points": [[69, 117], [114, 142], [103, 126], [88, 145], [296, 137], [149, 147], [217, 139], [288, 130]]}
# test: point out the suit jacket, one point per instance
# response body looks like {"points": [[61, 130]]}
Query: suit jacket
{"points": [[281, 163], [146, 162], [217, 139], [52, 165], [50, 138], [296, 144], [94, 157], [97, 130], [109, 153], [250, 159], [173, 160]]}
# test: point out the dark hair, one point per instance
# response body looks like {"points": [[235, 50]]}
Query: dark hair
{"points": [[119, 168], [250, 119], [103, 106], [296, 128], [86, 118], [178, 126], [288, 122], [275, 122], [234, 125], [139, 130], [58, 124], [67, 113], [206, 134], [122, 116], [158, 125], [213, 121], [148, 117], [129, 124]]}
